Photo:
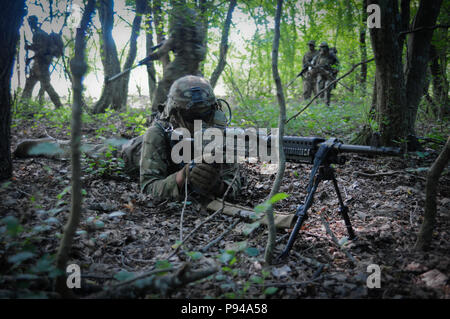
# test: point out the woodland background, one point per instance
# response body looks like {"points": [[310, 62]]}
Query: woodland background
{"points": [[402, 91]]}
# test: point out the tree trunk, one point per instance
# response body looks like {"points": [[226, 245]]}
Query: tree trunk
{"points": [[426, 229], [151, 72], [440, 84], [136, 27], [11, 18], [111, 65], [391, 97], [78, 67], [363, 47], [398, 93], [223, 45], [204, 7], [159, 27], [281, 122], [418, 57], [405, 6]]}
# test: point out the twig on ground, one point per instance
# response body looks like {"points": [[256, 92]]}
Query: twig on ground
{"points": [[308, 260], [376, 174], [335, 241], [184, 207], [220, 237], [412, 214], [149, 283], [208, 218]]}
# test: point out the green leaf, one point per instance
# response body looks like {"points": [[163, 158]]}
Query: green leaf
{"points": [[225, 257], [261, 208], [249, 228], [195, 255], [5, 185], [44, 264], [257, 279], [17, 259], [270, 290], [163, 264], [99, 224], [252, 251], [123, 275], [277, 197], [12, 225]]}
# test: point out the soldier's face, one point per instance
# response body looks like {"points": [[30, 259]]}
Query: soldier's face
{"points": [[312, 47]]}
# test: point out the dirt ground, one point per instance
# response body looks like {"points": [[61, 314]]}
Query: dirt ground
{"points": [[123, 231]]}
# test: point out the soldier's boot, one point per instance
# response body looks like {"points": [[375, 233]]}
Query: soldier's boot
{"points": [[46, 147]]}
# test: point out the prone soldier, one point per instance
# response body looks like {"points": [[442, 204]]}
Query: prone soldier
{"points": [[190, 98]]}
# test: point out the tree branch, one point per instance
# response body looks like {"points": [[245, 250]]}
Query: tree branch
{"points": [[444, 26]]}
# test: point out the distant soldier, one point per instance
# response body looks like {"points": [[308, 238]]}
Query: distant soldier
{"points": [[186, 40], [309, 77], [46, 47], [326, 67]]}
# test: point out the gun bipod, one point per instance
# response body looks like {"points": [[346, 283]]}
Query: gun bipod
{"points": [[321, 171]]}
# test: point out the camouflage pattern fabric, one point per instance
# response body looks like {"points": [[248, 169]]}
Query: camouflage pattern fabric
{"points": [[326, 70], [45, 47], [186, 40], [158, 172], [309, 77]]}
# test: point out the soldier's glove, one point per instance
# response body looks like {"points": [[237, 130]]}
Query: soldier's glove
{"points": [[205, 178]]}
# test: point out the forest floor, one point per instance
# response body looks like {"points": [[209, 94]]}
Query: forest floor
{"points": [[123, 232]]}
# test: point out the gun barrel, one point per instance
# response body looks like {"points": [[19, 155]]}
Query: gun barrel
{"points": [[361, 149]]}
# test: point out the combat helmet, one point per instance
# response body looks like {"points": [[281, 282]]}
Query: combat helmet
{"points": [[323, 45], [312, 42], [190, 97]]}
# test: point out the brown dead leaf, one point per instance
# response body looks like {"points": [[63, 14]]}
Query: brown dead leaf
{"points": [[434, 278]]}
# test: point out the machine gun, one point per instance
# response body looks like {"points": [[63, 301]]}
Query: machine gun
{"points": [[322, 154], [316, 151]]}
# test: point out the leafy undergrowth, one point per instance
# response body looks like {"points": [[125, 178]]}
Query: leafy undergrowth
{"points": [[123, 232]]}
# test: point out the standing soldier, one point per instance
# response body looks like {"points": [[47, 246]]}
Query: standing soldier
{"points": [[309, 77], [186, 40], [45, 47], [326, 67]]}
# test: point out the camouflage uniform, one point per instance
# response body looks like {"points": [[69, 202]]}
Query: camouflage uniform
{"points": [[186, 40], [309, 77], [157, 170], [45, 47], [326, 67]]}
